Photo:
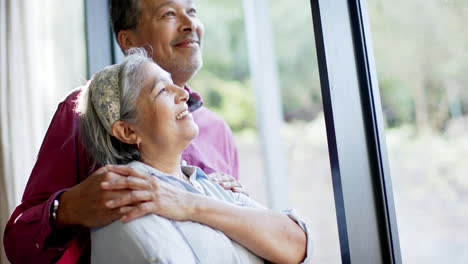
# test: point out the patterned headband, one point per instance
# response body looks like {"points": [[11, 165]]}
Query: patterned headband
{"points": [[104, 90]]}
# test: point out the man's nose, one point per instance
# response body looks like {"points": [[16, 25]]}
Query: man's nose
{"points": [[188, 23]]}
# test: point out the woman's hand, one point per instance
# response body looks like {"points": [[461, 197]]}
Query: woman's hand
{"points": [[228, 182], [157, 197]]}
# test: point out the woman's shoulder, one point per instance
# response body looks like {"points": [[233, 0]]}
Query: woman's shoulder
{"points": [[144, 240], [140, 166]]}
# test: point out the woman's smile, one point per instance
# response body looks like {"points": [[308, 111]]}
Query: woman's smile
{"points": [[183, 114]]}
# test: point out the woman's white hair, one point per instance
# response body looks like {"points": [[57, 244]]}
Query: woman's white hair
{"points": [[103, 147]]}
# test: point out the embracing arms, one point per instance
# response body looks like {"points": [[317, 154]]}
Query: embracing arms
{"points": [[270, 235]]}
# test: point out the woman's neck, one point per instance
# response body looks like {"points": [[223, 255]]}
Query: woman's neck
{"points": [[171, 167], [164, 156], [166, 163]]}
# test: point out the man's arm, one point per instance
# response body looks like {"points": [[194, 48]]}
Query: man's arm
{"points": [[62, 168], [59, 166]]}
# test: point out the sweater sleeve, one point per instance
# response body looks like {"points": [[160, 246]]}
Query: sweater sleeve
{"points": [[30, 237]]}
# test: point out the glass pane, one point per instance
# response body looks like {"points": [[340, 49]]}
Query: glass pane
{"points": [[225, 82], [304, 135], [421, 55]]}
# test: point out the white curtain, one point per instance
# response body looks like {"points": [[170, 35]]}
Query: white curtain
{"points": [[20, 112], [42, 56]]}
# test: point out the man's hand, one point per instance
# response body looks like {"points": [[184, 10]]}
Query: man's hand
{"points": [[228, 182], [85, 203], [152, 196]]}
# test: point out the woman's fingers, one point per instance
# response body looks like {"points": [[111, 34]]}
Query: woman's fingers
{"points": [[125, 182], [119, 177], [160, 198], [138, 211], [132, 197], [127, 171], [125, 209]]}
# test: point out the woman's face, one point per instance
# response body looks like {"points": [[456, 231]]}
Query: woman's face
{"points": [[163, 119]]}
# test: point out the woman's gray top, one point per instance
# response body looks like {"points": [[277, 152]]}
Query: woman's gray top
{"points": [[155, 239]]}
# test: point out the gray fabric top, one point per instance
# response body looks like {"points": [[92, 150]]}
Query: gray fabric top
{"points": [[155, 239]]}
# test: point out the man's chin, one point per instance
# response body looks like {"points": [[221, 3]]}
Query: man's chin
{"points": [[190, 66], [183, 73]]}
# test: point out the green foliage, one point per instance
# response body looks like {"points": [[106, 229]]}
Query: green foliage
{"points": [[397, 102], [233, 100], [225, 50], [223, 80], [226, 61], [421, 59], [296, 57]]}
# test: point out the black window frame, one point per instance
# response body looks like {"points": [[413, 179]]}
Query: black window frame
{"points": [[355, 132]]}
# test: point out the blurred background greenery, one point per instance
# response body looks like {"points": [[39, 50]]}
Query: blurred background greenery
{"points": [[225, 78]]}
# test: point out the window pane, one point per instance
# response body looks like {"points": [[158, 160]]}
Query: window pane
{"points": [[310, 185], [421, 57], [226, 84]]}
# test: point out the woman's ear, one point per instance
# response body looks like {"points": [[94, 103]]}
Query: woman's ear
{"points": [[125, 132], [126, 39]]}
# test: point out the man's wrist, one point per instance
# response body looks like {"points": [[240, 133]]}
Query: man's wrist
{"points": [[55, 205], [61, 216], [54, 208]]}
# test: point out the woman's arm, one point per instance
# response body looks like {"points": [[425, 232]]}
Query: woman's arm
{"points": [[270, 235]]}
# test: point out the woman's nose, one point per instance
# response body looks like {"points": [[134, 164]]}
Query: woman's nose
{"points": [[182, 95]]}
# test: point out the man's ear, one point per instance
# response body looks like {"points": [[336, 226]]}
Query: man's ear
{"points": [[125, 132], [127, 39]]}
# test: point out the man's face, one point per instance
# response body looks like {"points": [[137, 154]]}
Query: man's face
{"points": [[173, 30]]}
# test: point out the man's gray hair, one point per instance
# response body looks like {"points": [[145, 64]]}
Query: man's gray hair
{"points": [[125, 14], [102, 146]]}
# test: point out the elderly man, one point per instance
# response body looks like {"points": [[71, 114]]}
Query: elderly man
{"points": [[61, 202]]}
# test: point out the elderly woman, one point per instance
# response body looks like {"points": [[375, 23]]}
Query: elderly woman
{"points": [[132, 113]]}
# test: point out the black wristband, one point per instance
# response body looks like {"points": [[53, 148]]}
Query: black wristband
{"points": [[54, 208]]}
